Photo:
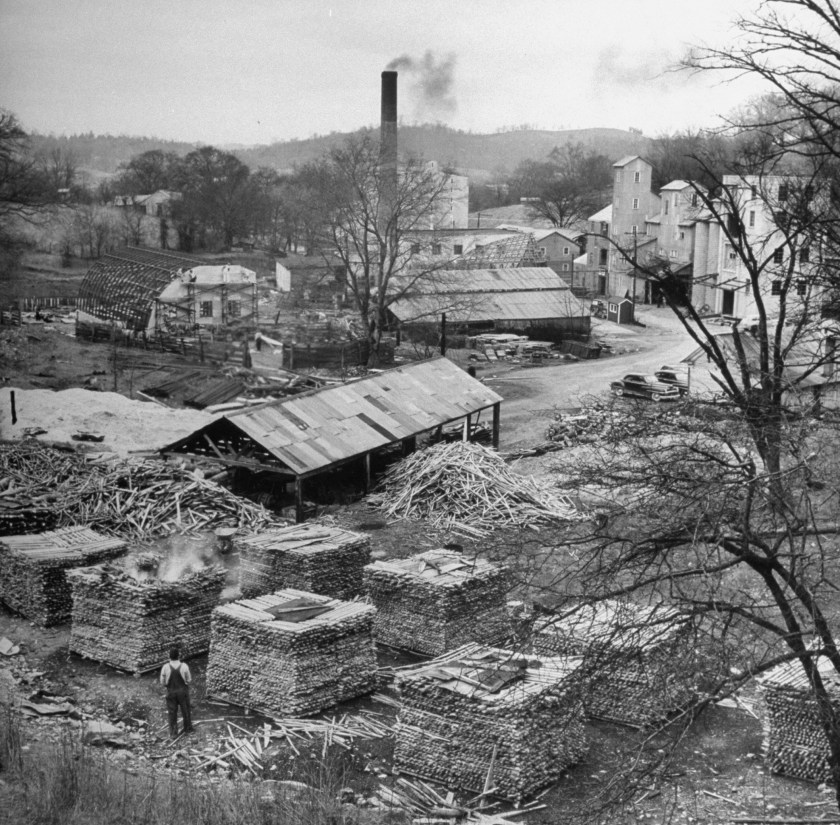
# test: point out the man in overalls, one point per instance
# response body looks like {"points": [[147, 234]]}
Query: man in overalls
{"points": [[175, 677]]}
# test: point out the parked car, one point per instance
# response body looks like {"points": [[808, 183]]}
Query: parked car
{"points": [[674, 377], [644, 386]]}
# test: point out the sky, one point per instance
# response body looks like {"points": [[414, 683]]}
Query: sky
{"points": [[232, 72]]}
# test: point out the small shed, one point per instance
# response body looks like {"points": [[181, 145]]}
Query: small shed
{"points": [[620, 310], [795, 743], [317, 558], [129, 620], [637, 658], [300, 437], [291, 653], [33, 569], [436, 601], [484, 715]]}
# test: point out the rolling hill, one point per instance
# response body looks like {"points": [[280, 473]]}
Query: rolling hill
{"points": [[482, 157]]}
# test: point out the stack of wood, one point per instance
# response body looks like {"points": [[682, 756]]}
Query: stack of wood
{"points": [[638, 658], [488, 720], [468, 489], [795, 743], [291, 652], [34, 568], [130, 622], [436, 601], [316, 558]]}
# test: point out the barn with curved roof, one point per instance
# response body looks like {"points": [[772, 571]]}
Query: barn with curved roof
{"points": [[123, 285]]}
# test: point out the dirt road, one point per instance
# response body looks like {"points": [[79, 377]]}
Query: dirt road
{"points": [[532, 393]]}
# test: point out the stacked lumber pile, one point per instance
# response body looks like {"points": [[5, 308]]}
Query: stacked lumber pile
{"points": [[436, 601], [317, 558], [795, 743], [485, 719], [131, 499], [130, 623], [291, 652], [638, 659], [34, 568], [468, 489]]}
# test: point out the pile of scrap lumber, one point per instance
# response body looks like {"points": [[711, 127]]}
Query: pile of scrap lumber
{"points": [[423, 801], [243, 750], [131, 499], [318, 558], [468, 489], [794, 742], [488, 720], [584, 427], [34, 568], [130, 623], [638, 659], [436, 601], [291, 652]]}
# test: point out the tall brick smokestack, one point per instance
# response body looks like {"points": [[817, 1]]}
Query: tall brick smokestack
{"points": [[388, 133]]}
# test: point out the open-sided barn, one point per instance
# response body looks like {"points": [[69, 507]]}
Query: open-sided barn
{"points": [[303, 436]]}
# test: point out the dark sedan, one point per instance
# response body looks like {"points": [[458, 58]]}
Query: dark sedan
{"points": [[644, 386], [673, 377]]}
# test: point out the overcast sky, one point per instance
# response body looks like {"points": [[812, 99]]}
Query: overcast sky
{"points": [[255, 71]]}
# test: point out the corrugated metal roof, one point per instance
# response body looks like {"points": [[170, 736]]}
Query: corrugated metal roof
{"points": [[532, 305], [332, 424], [521, 294]]}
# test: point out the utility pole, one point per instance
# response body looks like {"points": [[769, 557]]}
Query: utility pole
{"points": [[635, 251]]}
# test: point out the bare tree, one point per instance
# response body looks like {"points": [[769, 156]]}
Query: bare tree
{"points": [[730, 512], [794, 46], [567, 187], [22, 191], [371, 215]]}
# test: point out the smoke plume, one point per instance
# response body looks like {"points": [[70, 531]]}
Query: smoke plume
{"points": [[432, 79]]}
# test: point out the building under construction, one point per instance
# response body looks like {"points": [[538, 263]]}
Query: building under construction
{"points": [[153, 292]]}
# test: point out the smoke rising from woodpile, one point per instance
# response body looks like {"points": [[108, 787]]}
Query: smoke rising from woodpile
{"points": [[432, 78]]}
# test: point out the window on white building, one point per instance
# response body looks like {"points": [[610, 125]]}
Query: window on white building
{"points": [[637, 177], [673, 253], [666, 206], [779, 256], [776, 287], [635, 203], [435, 249], [801, 286], [205, 309], [752, 217], [234, 309], [694, 199], [458, 249], [804, 255], [565, 250], [682, 236], [565, 267]]}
